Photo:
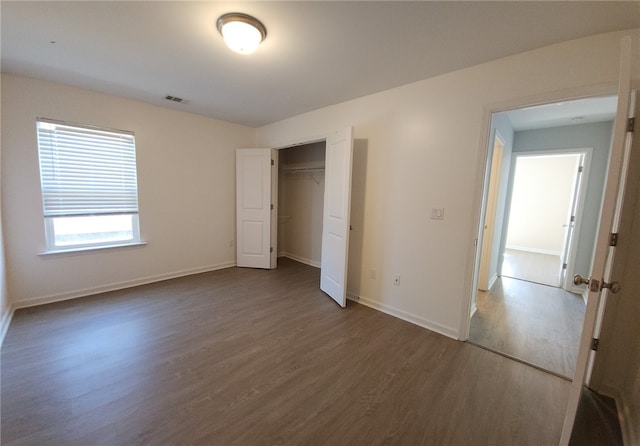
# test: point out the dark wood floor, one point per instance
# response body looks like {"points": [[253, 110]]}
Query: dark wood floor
{"points": [[243, 357], [536, 323]]}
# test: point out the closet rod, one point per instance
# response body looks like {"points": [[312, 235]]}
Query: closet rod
{"points": [[304, 169]]}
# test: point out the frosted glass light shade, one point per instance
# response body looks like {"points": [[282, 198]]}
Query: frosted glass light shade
{"points": [[242, 33]]}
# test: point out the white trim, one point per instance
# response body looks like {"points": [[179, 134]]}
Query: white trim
{"points": [[87, 249], [416, 320], [492, 282], [534, 250], [304, 260], [580, 290], [474, 308], [4, 323], [117, 286], [301, 141]]}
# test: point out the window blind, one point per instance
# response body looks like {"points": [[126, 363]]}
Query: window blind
{"points": [[86, 170]]}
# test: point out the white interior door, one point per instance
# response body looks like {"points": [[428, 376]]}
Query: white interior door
{"points": [[335, 223], [253, 208], [603, 270]]}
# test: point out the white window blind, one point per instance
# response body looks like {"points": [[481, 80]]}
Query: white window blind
{"points": [[86, 170]]}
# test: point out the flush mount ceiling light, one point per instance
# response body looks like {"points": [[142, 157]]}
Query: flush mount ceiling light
{"points": [[241, 32]]}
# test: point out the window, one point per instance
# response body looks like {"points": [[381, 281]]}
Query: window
{"points": [[89, 186]]}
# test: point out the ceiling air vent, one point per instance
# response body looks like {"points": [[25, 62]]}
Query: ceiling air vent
{"points": [[173, 98]]}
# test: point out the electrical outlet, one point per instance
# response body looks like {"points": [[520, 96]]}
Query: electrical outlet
{"points": [[373, 273], [396, 279]]}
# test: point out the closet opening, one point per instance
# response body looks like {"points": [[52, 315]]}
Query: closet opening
{"points": [[300, 186]]}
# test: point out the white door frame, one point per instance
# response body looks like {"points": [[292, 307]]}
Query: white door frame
{"points": [[341, 296], [582, 194], [486, 276], [472, 263]]}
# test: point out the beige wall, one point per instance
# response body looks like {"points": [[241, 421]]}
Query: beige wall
{"points": [[542, 195], [422, 146], [5, 305], [417, 147], [186, 192]]}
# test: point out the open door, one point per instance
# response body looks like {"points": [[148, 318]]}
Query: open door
{"points": [[604, 269], [337, 206], [254, 208]]}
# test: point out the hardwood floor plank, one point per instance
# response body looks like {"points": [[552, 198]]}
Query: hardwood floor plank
{"points": [[536, 323], [244, 357]]}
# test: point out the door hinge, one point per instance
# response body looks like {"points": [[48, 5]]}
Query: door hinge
{"points": [[631, 125], [273, 163], [564, 266], [272, 207], [613, 239], [594, 344], [573, 219], [271, 249], [580, 169]]}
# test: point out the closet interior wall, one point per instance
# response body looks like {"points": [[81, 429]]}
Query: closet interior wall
{"points": [[301, 202]]}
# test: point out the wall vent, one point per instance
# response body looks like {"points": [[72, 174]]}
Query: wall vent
{"points": [[173, 98]]}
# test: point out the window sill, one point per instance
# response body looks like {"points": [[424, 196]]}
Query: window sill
{"points": [[88, 249]]}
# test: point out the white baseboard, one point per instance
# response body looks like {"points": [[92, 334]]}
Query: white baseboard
{"points": [[424, 323], [582, 291], [474, 308], [4, 323], [300, 259], [117, 286], [534, 250], [492, 281]]}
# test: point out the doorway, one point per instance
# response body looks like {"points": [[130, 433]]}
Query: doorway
{"points": [[543, 216], [300, 202], [515, 312], [257, 209]]}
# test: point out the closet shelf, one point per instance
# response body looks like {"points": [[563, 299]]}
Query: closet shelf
{"points": [[312, 172]]}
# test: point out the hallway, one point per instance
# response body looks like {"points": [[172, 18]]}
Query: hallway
{"points": [[535, 323]]}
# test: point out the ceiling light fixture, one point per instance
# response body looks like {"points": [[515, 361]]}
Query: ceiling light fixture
{"points": [[241, 32]]}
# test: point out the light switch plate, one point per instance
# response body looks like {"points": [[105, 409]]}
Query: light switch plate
{"points": [[437, 214]]}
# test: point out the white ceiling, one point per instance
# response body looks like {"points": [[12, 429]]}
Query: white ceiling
{"points": [[316, 53], [579, 111]]}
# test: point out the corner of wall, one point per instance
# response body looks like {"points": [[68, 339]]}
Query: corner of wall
{"points": [[6, 309], [5, 320], [405, 316]]}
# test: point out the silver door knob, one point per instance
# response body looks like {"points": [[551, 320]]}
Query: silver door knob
{"points": [[579, 280], [614, 287]]}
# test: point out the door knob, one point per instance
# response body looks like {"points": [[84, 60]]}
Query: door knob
{"points": [[613, 287], [579, 280]]}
